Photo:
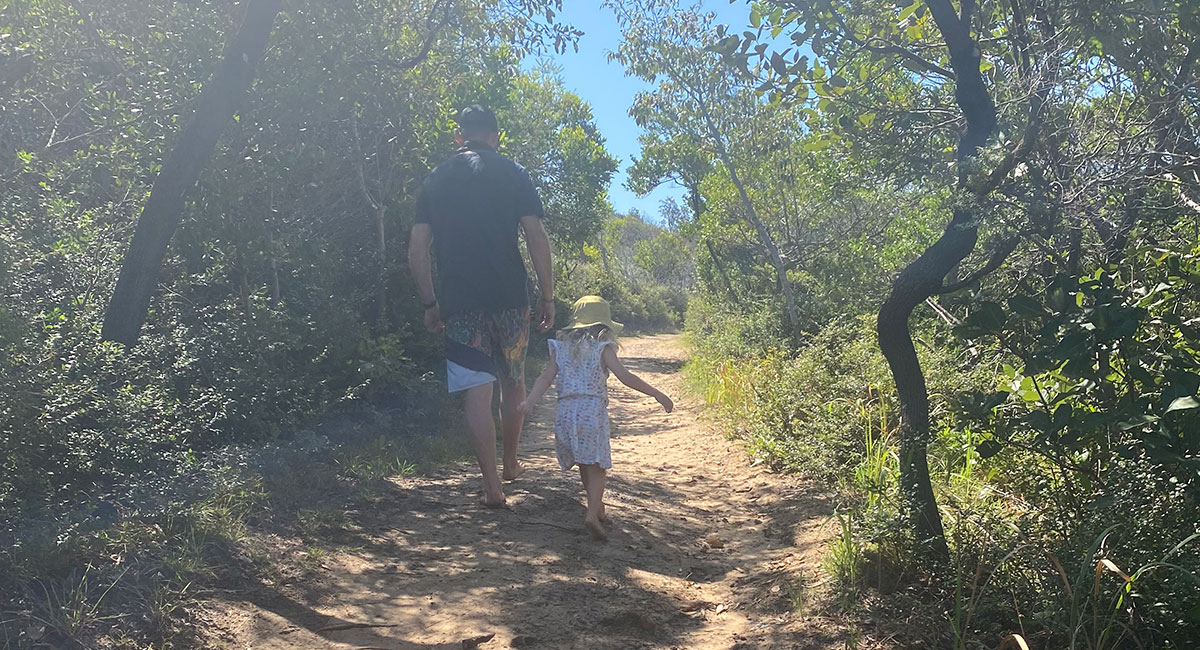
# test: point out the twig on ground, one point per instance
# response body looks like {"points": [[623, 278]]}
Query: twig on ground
{"points": [[476, 641], [337, 627], [546, 523]]}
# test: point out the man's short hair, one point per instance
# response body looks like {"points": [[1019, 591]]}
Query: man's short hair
{"points": [[477, 121]]}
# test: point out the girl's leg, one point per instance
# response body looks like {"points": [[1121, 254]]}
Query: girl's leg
{"points": [[594, 479]]}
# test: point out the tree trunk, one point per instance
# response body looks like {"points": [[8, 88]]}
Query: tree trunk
{"points": [[768, 242], [712, 252], [604, 255], [918, 281], [163, 210], [764, 237], [381, 234], [925, 276], [269, 228]]}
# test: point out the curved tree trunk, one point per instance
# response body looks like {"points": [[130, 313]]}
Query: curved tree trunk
{"points": [[924, 278], [918, 281], [163, 210]]}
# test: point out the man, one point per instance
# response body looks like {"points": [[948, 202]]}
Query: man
{"points": [[469, 210]]}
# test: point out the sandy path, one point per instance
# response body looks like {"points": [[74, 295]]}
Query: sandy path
{"points": [[705, 551]]}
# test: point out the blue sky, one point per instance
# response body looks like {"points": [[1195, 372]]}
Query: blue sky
{"points": [[604, 85]]}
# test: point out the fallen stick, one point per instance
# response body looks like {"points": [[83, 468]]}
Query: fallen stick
{"points": [[546, 523], [337, 627], [474, 642]]}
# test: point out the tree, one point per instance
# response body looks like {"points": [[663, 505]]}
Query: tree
{"points": [[700, 101], [895, 82], [164, 208], [552, 133]]}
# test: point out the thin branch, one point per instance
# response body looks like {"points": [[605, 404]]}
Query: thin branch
{"points": [[907, 55], [413, 61], [888, 48], [942, 312], [108, 127], [1028, 140], [1001, 254], [362, 179]]}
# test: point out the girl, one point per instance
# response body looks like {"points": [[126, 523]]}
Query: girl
{"points": [[581, 358]]}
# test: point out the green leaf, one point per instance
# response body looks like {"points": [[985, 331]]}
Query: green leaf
{"points": [[755, 17], [777, 62], [1039, 420], [988, 316], [838, 81], [817, 145], [1136, 422], [988, 448], [1183, 404], [1025, 307]]}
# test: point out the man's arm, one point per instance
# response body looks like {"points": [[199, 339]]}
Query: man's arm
{"points": [[420, 263], [539, 251]]}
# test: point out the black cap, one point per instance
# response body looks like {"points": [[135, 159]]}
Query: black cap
{"points": [[478, 118]]}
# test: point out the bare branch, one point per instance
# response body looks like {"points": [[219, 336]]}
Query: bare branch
{"points": [[997, 260], [417, 59]]}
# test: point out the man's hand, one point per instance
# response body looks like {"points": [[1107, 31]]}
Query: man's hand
{"points": [[523, 408], [545, 315], [433, 320], [666, 403]]}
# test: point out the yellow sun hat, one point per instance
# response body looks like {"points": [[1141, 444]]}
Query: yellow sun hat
{"points": [[593, 310]]}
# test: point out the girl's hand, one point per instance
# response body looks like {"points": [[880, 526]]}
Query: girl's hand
{"points": [[523, 408], [666, 402]]}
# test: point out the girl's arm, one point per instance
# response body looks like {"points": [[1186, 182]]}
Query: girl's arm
{"points": [[609, 357], [541, 385]]}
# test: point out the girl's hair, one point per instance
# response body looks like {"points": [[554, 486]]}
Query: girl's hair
{"points": [[577, 338]]}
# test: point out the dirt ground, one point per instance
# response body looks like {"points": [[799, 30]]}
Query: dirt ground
{"points": [[705, 551]]}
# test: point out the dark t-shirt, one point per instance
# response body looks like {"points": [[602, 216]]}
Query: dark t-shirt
{"points": [[474, 202]]}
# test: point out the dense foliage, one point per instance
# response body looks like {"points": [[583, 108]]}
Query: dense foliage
{"points": [[283, 294], [1047, 378], [942, 256]]}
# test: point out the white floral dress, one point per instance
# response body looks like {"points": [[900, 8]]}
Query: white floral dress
{"points": [[581, 425]]}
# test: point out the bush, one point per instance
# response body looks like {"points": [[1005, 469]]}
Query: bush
{"points": [[641, 308], [1024, 530]]}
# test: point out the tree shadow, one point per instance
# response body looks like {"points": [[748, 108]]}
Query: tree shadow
{"points": [[423, 547]]}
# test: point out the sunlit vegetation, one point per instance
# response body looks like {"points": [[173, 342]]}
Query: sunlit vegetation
{"points": [[941, 257]]}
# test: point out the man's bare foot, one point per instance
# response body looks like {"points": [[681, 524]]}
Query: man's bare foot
{"points": [[494, 503], [596, 528], [511, 475]]}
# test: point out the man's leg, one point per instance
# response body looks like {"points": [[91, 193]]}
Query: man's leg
{"points": [[512, 393], [482, 429], [510, 332]]}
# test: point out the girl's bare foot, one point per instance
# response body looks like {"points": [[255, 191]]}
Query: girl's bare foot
{"points": [[511, 475], [596, 528]]}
